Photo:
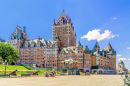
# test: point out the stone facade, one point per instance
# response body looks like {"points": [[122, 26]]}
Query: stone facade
{"points": [[62, 51], [121, 67]]}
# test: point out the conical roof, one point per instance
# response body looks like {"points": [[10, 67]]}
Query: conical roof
{"points": [[54, 21], [79, 44], [86, 49], [63, 16], [68, 20], [96, 45], [109, 47], [121, 62]]}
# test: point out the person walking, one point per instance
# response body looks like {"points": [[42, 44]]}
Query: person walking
{"points": [[121, 75]]}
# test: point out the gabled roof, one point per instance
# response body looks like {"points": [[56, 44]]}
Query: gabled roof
{"points": [[67, 49]]}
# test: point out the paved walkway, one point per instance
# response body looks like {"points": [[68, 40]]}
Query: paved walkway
{"points": [[76, 80]]}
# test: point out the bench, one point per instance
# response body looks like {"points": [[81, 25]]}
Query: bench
{"points": [[4, 75], [62, 74], [25, 74]]}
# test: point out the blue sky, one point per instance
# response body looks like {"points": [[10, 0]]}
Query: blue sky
{"points": [[98, 16]]}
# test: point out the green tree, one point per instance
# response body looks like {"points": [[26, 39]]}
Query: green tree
{"points": [[8, 52], [1, 61]]}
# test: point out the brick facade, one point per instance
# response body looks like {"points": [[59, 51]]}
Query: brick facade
{"points": [[62, 48]]}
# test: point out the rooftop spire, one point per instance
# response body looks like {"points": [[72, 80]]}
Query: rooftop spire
{"points": [[54, 21], [109, 47], [97, 45], [79, 44], [63, 16], [68, 19]]}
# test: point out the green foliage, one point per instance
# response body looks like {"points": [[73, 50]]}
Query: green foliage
{"points": [[1, 61], [12, 67], [8, 52]]}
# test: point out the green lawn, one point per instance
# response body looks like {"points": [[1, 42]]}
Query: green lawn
{"points": [[21, 70], [41, 72], [12, 67]]}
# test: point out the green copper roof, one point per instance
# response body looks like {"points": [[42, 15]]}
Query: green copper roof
{"points": [[86, 50], [109, 47], [121, 62], [66, 49], [96, 45], [79, 44]]}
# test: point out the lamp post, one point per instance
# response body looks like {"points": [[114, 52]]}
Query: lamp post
{"points": [[5, 66]]}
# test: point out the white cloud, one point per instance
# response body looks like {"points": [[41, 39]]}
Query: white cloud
{"points": [[95, 34], [128, 59], [114, 18], [119, 55], [122, 59], [126, 42], [117, 35], [128, 48]]}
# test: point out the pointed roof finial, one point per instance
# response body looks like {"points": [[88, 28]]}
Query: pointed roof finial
{"points": [[63, 9], [54, 21], [79, 44], [109, 41], [96, 45]]}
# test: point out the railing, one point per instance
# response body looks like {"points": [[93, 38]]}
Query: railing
{"points": [[36, 68]]}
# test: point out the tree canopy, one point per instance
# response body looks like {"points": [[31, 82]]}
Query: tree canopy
{"points": [[8, 52]]}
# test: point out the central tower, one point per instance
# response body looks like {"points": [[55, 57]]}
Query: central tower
{"points": [[63, 30]]}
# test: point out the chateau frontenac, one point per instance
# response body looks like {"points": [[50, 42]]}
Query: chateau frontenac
{"points": [[62, 51]]}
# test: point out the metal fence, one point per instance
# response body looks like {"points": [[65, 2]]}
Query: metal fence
{"points": [[35, 68]]}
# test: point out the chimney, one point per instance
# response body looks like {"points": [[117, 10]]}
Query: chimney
{"points": [[24, 29], [38, 37]]}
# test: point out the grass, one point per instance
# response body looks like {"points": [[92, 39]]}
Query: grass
{"points": [[12, 67], [41, 72], [21, 70]]}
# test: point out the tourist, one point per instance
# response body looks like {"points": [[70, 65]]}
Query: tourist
{"points": [[73, 72], [121, 75], [44, 73]]}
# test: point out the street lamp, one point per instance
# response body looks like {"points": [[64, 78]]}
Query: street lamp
{"points": [[5, 66]]}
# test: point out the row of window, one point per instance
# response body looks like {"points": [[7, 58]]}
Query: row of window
{"points": [[50, 65]]}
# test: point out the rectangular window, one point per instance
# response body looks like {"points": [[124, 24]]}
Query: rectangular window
{"points": [[87, 56]]}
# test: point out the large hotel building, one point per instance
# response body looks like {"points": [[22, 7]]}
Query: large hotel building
{"points": [[62, 49]]}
